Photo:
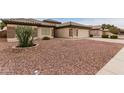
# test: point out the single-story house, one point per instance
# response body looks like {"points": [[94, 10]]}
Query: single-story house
{"points": [[72, 30], [96, 31], [41, 29], [47, 28], [107, 32]]}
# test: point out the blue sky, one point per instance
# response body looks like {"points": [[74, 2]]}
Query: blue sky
{"points": [[95, 21]]}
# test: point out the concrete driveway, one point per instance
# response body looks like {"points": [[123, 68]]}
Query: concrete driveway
{"points": [[121, 41], [116, 64]]}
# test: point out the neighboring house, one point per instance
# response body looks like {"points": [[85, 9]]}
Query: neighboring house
{"points": [[47, 28], [121, 33], [51, 21], [72, 30], [53, 29], [96, 31], [107, 32]]}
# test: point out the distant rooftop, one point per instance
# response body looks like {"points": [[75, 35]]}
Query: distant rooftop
{"points": [[52, 21], [72, 24], [26, 21], [96, 27]]}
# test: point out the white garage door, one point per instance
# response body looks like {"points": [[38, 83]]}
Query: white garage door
{"points": [[83, 33]]}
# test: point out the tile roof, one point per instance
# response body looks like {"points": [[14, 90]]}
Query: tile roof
{"points": [[27, 21], [96, 27], [72, 24], [35, 22]]}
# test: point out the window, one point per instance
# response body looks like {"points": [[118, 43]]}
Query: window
{"points": [[76, 32], [52, 32], [45, 31], [70, 32]]}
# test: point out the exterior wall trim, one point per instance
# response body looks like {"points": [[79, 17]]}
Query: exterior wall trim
{"points": [[16, 40]]}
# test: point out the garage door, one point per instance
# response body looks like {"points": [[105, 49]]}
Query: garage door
{"points": [[83, 33]]}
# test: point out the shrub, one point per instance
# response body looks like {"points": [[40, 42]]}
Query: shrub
{"points": [[114, 37], [114, 30], [46, 38], [24, 35], [105, 36], [90, 35], [2, 25]]}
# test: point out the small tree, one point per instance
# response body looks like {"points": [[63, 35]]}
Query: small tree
{"points": [[24, 35], [103, 26], [107, 26], [114, 30]]}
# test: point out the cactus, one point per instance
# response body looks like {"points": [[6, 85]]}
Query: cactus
{"points": [[24, 35]]}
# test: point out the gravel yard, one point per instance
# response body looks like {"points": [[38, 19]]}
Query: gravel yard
{"points": [[57, 57]]}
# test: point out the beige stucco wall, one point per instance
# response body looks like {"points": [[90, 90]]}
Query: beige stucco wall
{"points": [[107, 33], [40, 35], [16, 40], [96, 32], [83, 33], [121, 36], [11, 35], [62, 33], [12, 25]]}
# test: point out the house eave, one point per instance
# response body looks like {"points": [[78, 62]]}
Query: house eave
{"points": [[73, 26], [28, 24]]}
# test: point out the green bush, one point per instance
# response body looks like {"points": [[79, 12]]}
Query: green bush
{"points": [[105, 36], [114, 37], [2, 25], [90, 35], [46, 38], [24, 35]]}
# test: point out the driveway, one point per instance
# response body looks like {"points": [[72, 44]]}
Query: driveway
{"points": [[57, 57], [121, 41]]}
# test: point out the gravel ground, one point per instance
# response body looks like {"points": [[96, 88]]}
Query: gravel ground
{"points": [[57, 57]]}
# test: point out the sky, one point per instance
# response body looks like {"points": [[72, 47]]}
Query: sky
{"points": [[95, 21]]}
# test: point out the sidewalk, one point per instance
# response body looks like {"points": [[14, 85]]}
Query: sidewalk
{"points": [[115, 66]]}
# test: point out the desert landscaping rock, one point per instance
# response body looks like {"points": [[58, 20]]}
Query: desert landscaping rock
{"points": [[57, 57]]}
